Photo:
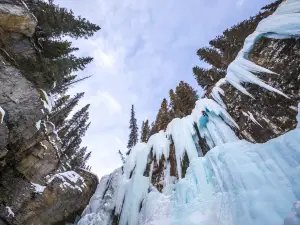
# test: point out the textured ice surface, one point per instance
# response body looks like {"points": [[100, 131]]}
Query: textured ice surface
{"points": [[237, 182]]}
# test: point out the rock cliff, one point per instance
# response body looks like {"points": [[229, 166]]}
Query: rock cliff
{"points": [[30, 190]]}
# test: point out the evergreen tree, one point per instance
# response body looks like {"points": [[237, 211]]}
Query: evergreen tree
{"points": [[153, 129], [183, 101], [62, 109], [207, 77], [145, 131], [133, 136], [55, 48], [211, 56], [56, 22], [172, 105], [163, 116]]}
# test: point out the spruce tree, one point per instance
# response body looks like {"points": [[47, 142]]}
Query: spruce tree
{"points": [[133, 135], [207, 77], [56, 22], [62, 109], [163, 116], [185, 100], [145, 131], [211, 56]]}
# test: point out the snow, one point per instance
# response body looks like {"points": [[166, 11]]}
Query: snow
{"points": [[70, 179], [47, 100], [251, 117], [10, 212], [43, 146], [38, 188], [38, 125], [2, 114]]}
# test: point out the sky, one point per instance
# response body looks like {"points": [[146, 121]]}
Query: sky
{"points": [[144, 48]]}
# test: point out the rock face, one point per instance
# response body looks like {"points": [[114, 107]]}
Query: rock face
{"points": [[30, 191], [56, 202], [15, 17], [274, 114]]}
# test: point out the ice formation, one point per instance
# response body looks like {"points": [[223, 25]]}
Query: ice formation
{"points": [[236, 182], [283, 23]]}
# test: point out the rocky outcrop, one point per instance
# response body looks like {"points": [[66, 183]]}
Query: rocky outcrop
{"points": [[15, 17], [275, 114], [61, 198], [30, 191]]}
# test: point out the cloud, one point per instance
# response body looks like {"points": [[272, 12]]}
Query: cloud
{"points": [[145, 47], [240, 3]]}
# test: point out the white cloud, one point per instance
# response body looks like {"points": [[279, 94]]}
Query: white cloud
{"points": [[240, 3]]}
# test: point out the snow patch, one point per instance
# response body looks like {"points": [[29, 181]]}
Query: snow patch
{"points": [[10, 212], [251, 117], [2, 114], [38, 125], [38, 188], [47, 100], [70, 180]]}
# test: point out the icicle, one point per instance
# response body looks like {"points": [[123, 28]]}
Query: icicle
{"points": [[285, 22]]}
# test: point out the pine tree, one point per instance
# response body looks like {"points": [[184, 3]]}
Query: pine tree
{"points": [[153, 129], [55, 48], [172, 105], [207, 77], [133, 136], [163, 116], [185, 99], [145, 131], [77, 118], [56, 22], [211, 56], [62, 109]]}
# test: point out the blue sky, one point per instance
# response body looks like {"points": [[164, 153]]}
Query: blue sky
{"points": [[145, 47]]}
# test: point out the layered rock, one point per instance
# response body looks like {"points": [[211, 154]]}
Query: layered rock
{"points": [[30, 191], [58, 201]]}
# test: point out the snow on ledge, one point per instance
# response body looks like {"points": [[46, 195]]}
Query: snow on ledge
{"points": [[38, 188], [70, 180]]}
